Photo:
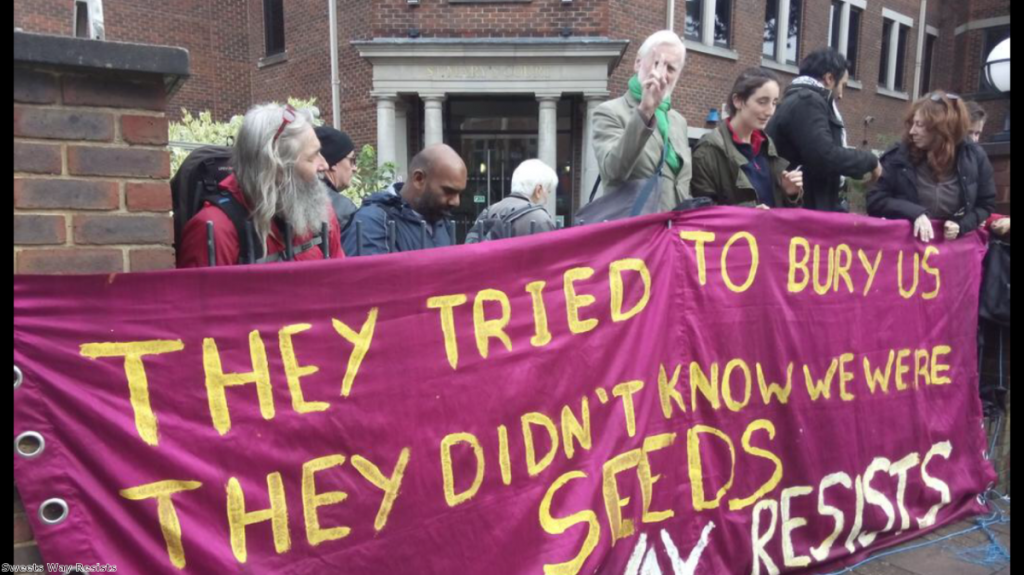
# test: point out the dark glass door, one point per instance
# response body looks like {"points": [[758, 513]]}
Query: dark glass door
{"points": [[490, 160], [494, 136]]}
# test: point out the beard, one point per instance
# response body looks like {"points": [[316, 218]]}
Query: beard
{"points": [[432, 208], [303, 205]]}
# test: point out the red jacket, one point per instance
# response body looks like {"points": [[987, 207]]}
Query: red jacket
{"points": [[192, 251]]}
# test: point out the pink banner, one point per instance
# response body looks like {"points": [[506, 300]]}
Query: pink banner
{"points": [[719, 391]]}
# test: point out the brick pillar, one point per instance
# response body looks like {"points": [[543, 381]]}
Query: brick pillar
{"points": [[91, 163], [91, 168]]}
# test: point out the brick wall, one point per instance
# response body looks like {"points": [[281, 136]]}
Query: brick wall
{"points": [[90, 175], [539, 18], [306, 71], [213, 31], [968, 55], [226, 40]]}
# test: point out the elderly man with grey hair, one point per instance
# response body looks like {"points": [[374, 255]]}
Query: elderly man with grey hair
{"points": [[632, 132], [522, 213], [275, 205]]}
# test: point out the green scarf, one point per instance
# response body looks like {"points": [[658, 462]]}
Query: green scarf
{"points": [[673, 160]]}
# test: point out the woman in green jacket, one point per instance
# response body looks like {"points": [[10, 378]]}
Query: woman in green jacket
{"points": [[736, 163]]}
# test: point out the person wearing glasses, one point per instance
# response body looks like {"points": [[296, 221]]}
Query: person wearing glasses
{"points": [[275, 205], [339, 151], [936, 172]]}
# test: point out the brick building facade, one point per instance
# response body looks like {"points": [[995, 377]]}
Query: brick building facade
{"points": [[249, 51]]}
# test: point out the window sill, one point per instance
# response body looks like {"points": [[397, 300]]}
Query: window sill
{"points": [[716, 51], [895, 95], [856, 85], [272, 60], [786, 68]]}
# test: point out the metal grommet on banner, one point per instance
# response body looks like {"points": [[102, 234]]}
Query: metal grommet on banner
{"points": [[30, 445], [51, 505], [18, 377]]}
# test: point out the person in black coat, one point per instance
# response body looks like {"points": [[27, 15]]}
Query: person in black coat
{"points": [[936, 172], [340, 152], [808, 131]]}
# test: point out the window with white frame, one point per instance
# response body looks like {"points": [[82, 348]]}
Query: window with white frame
{"points": [[89, 19], [782, 20], [709, 22], [844, 30], [895, 37]]}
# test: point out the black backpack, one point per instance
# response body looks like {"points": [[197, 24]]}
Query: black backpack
{"points": [[197, 182], [492, 227], [995, 285]]}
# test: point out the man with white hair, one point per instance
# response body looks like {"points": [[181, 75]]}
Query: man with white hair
{"points": [[632, 132], [274, 205], [522, 212]]}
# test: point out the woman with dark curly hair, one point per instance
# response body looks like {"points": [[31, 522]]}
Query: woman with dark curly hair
{"points": [[936, 173]]}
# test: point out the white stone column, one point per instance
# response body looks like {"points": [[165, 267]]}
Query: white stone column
{"points": [[922, 40], [401, 141], [590, 168], [433, 119], [894, 41], [844, 29], [385, 128], [707, 33], [547, 138], [782, 35]]}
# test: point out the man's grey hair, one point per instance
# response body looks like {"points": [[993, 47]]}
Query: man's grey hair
{"points": [[533, 173], [265, 166], [658, 39]]}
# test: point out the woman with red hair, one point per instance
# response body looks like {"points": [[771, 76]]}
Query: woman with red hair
{"points": [[936, 173]]}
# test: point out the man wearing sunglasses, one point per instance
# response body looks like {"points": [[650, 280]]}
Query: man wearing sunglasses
{"points": [[275, 205]]}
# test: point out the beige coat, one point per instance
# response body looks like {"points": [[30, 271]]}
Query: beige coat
{"points": [[627, 149]]}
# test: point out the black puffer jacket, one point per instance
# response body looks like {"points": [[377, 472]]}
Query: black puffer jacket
{"points": [[896, 196], [808, 133]]}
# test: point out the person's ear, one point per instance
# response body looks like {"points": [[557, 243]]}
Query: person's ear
{"points": [[419, 177], [829, 79]]}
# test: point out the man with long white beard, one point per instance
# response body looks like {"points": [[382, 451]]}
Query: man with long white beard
{"points": [[276, 188]]}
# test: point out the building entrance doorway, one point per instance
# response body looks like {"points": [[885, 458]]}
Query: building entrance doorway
{"points": [[494, 136]]}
